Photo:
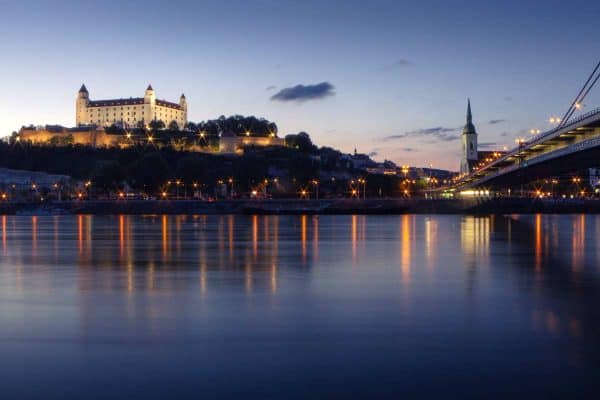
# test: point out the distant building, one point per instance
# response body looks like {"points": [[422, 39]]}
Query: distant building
{"points": [[358, 161], [128, 112], [385, 168], [16, 179]]}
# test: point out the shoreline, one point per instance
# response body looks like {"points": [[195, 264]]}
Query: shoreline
{"points": [[301, 206]]}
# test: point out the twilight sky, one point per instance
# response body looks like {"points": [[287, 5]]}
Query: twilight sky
{"points": [[390, 78]]}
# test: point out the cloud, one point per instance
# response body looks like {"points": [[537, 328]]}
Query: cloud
{"points": [[302, 93], [402, 62], [504, 134], [495, 121], [508, 98], [373, 154], [271, 87], [408, 149], [486, 145], [439, 133]]}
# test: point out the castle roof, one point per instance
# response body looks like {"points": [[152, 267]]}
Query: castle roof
{"points": [[83, 89], [116, 102], [149, 87], [130, 102], [168, 104]]}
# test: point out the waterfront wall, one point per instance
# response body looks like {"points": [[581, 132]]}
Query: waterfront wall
{"points": [[294, 206]]}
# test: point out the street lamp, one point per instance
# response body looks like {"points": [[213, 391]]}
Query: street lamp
{"points": [[364, 183], [316, 183]]}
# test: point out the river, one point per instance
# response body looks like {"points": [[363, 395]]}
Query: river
{"points": [[227, 306]]}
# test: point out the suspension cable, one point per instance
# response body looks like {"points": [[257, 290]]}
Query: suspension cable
{"points": [[579, 98]]}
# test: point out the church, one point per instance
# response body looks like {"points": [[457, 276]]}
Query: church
{"points": [[128, 112], [471, 156]]}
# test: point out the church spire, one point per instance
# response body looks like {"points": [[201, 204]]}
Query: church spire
{"points": [[469, 116], [469, 127]]}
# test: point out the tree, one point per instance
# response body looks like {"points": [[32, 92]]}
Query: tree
{"points": [[173, 126], [149, 172], [301, 141], [107, 175], [60, 140], [114, 129], [157, 125], [189, 168], [192, 127]]}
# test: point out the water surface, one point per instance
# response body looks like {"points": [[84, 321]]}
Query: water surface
{"points": [[299, 306]]}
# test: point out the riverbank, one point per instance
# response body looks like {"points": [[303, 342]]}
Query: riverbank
{"points": [[297, 206]]}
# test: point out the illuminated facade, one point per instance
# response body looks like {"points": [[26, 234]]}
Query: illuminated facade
{"points": [[128, 112]]}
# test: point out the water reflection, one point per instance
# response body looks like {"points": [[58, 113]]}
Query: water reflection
{"points": [[365, 285]]}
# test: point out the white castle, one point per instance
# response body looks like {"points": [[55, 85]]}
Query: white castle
{"points": [[129, 112]]}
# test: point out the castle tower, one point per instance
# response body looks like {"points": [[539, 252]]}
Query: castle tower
{"points": [[469, 143], [149, 105], [81, 114], [183, 104]]}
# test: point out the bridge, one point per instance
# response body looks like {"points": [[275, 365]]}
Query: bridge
{"points": [[573, 145]]}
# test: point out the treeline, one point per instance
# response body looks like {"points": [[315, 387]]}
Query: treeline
{"points": [[238, 124], [148, 168]]}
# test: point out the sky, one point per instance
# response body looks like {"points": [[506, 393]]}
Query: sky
{"points": [[389, 78]]}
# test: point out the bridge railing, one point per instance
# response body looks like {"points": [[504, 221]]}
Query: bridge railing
{"points": [[571, 122], [539, 138]]}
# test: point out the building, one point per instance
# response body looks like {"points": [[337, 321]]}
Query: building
{"points": [[59, 135], [469, 144], [472, 158], [129, 112]]}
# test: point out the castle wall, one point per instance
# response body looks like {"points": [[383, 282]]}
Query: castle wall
{"points": [[235, 144]]}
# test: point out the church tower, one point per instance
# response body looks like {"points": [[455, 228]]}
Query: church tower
{"points": [[469, 143], [81, 114]]}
